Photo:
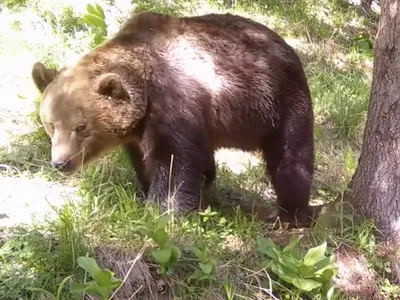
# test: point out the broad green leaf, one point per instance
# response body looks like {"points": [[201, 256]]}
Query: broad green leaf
{"points": [[328, 290], [315, 254], [293, 246], [99, 37], [104, 293], [160, 237], [328, 274], [305, 284], [95, 10], [106, 279], [323, 264], [213, 262], [197, 274], [103, 278], [162, 256], [306, 271], [267, 246], [266, 264], [94, 21], [283, 273], [266, 242], [78, 288], [206, 268], [89, 265], [196, 251], [288, 261], [176, 253]]}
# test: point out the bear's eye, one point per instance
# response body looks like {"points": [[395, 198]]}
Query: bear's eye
{"points": [[80, 127], [51, 125]]}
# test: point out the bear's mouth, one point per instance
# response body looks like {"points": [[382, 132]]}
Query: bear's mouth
{"points": [[68, 173], [67, 169]]}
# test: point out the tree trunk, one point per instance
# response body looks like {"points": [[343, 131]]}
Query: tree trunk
{"points": [[374, 189]]}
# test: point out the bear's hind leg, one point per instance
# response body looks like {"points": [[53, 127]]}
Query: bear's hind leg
{"points": [[210, 172], [289, 155]]}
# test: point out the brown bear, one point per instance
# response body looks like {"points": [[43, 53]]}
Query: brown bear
{"points": [[172, 90]]}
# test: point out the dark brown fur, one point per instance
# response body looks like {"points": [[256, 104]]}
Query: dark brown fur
{"points": [[208, 82]]}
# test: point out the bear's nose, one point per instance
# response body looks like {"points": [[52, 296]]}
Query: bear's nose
{"points": [[61, 165]]}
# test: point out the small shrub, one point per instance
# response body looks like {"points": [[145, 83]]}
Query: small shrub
{"points": [[312, 273]]}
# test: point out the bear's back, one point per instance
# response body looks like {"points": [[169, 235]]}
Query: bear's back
{"points": [[235, 74]]}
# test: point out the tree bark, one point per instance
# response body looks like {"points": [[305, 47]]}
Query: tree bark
{"points": [[374, 189]]}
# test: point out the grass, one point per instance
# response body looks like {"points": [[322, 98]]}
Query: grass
{"points": [[110, 223]]}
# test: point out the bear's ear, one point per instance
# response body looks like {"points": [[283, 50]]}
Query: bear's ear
{"points": [[110, 85], [42, 76]]}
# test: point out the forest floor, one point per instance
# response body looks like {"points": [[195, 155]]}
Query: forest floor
{"points": [[47, 221]]}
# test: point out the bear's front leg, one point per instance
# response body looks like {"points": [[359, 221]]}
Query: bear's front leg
{"points": [[136, 158], [178, 190], [177, 175]]}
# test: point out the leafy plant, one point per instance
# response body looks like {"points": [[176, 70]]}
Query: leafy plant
{"points": [[167, 255], [311, 273], [102, 285], [207, 214], [207, 265], [95, 20]]}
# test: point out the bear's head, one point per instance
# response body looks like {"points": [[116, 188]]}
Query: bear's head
{"points": [[86, 113]]}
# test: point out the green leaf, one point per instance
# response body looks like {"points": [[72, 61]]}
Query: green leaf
{"points": [[176, 253], [89, 265], [162, 256], [206, 268], [283, 272], [99, 37], [266, 264], [197, 274], [159, 236], [315, 254], [323, 264], [306, 271], [328, 289], [288, 261], [99, 291], [266, 246], [77, 288], [106, 279], [293, 247], [93, 21], [196, 251], [96, 10], [328, 274], [201, 255], [305, 284]]}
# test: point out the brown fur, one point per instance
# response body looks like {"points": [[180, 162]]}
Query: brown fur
{"points": [[188, 86]]}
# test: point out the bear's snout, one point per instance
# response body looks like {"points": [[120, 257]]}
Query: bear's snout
{"points": [[62, 166]]}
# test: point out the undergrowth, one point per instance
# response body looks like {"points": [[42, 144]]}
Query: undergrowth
{"points": [[209, 254]]}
